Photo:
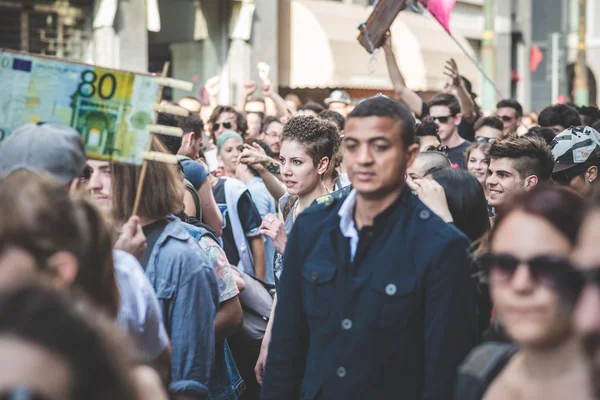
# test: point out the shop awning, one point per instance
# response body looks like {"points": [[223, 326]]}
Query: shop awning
{"points": [[318, 49]]}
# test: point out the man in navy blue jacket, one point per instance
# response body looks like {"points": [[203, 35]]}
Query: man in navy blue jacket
{"points": [[376, 300]]}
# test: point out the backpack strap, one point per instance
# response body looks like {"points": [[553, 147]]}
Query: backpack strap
{"points": [[480, 369], [196, 197]]}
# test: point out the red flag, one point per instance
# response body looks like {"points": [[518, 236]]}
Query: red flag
{"points": [[441, 10], [535, 58]]}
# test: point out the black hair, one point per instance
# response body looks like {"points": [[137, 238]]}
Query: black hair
{"points": [[466, 201], [268, 121], [240, 120], [316, 107], [448, 100], [191, 123], [492, 121], [589, 115], [334, 117], [559, 114], [530, 155], [510, 103], [427, 127], [94, 351], [546, 134], [172, 143], [382, 106]]}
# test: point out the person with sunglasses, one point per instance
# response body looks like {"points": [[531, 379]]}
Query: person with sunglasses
{"points": [[489, 129], [445, 111], [586, 293], [528, 272], [226, 118], [577, 155], [511, 113]]}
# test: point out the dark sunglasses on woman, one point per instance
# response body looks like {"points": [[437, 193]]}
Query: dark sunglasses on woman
{"points": [[226, 125], [554, 272]]}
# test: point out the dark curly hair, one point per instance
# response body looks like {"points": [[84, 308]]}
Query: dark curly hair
{"points": [[427, 127], [319, 137]]}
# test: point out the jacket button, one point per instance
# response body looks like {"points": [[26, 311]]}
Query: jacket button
{"points": [[315, 276], [424, 214], [347, 324], [341, 372], [391, 289]]}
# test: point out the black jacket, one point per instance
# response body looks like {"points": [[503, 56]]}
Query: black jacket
{"points": [[394, 324]]}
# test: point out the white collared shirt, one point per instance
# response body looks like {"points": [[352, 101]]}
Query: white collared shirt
{"points": [[347, 225]]}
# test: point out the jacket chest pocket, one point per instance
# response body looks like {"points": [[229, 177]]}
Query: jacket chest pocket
{"points": [[318, 291], [394, 303], [165, 291]]}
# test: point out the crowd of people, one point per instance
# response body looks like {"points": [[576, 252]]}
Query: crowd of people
{"points": [[393, 248]]}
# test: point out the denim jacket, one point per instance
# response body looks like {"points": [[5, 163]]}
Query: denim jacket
{"points": [[186, 287], [226, 382]]}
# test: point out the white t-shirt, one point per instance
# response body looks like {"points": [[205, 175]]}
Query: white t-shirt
{"points": [[139, 311]]}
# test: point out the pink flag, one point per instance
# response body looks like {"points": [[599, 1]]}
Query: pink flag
{"points": [[441, 10]]}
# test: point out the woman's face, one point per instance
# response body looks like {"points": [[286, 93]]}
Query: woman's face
{"points": [[230, 155], [27, 365], [478, 164], [300, 174], [530, 311]]}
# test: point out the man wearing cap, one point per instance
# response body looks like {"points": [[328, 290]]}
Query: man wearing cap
{"points": [[577, 156], [338, 101], [58, 150]]}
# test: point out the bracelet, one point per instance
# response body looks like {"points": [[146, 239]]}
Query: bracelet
{"points": [[273, 168]]}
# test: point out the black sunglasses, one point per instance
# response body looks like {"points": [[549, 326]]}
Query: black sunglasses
{"points": [[481, 139], [226, 125], [564, 178], [550, 271], [505, 118], [440, 149], [443, 119]]}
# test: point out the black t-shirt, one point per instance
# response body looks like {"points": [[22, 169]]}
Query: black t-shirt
{"points": [[249, 218], [152, 232], [457, 155]]}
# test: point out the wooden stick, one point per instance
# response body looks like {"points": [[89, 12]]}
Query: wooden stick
{"points": [[171, 109], [165, 130], [140, 187]]}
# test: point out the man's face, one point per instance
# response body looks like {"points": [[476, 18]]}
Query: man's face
{"points": [[586, 316], [428, 143], [503, 181], [508, 115], [342, 108], [190, 147], [489, 132], [225, 121], [192, 106], [447, 123], [254, 107], [100, 183], [375, 156], [272, 136]]}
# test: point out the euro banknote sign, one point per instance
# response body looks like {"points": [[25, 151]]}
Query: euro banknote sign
{"points": [[110, 109]]}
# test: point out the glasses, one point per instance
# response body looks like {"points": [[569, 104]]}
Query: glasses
{"points": [[550, 271], [564, 178], [505, 118], [440, 149], [226, 125], [442, 119], [481, 139]]}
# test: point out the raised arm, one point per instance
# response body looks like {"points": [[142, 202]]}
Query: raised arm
{"points": [[467, 105], [410, 98]]}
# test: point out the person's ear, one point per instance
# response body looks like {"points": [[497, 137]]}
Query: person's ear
{"points": [[411, 154], [323, 165], [530, 182], [458, 119], [64, 268], [591, 174]]}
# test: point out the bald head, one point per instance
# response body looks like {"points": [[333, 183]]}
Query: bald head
{"points": [[426, 161]]}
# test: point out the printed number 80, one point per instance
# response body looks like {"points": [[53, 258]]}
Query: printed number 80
{"points": [[107, 81]]}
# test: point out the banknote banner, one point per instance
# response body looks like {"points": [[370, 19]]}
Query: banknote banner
{"points": [[110, 109]]}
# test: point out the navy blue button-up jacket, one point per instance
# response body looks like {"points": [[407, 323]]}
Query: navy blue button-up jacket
{"points": [[395, 324]]}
